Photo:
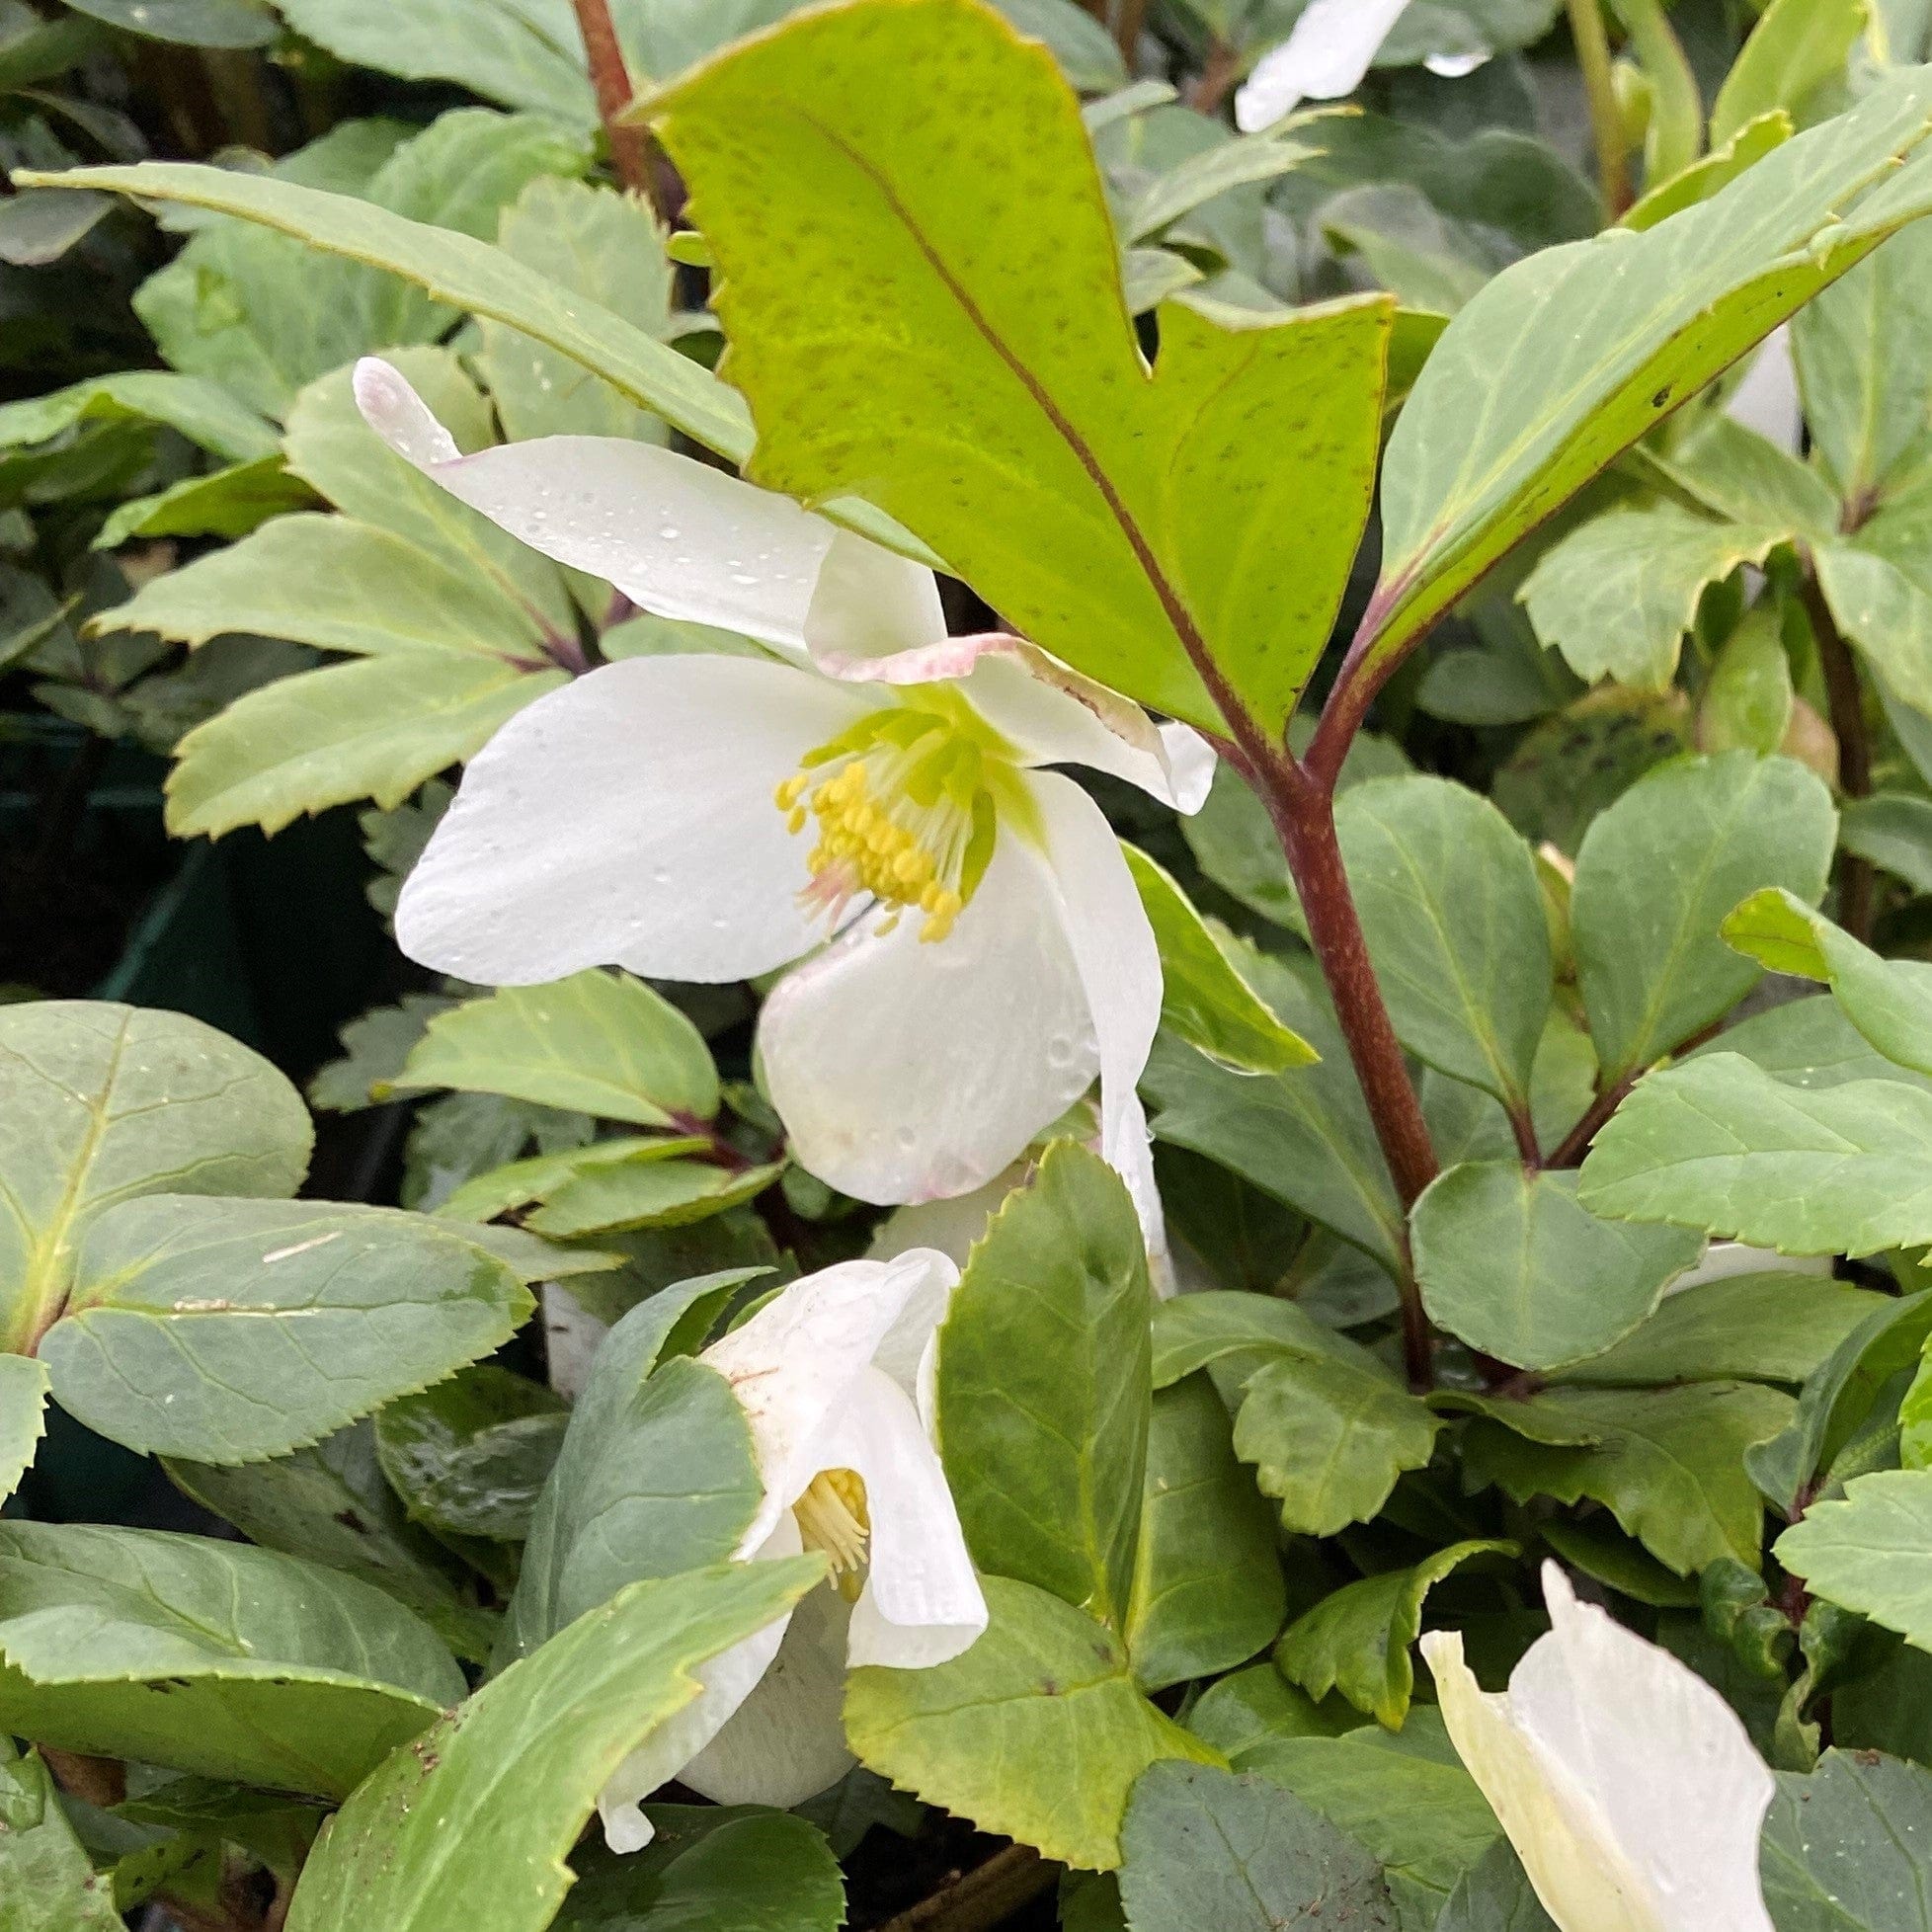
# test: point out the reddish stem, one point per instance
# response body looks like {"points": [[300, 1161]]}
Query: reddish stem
{"points": [[630, 150], [1845, 699]]}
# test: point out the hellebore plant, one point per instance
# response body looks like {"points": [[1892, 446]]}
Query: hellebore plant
{"points": [[871, 800], [1626, 1782], [834, 1378]]}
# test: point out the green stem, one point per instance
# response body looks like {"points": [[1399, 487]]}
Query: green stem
{"points": [[1676, 136], [1606, 118]]}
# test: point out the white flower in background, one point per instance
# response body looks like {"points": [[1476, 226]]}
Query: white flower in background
{"points": [[875, 784], [1325, 56], [1766, 399], [835, 1376], [1626, 1782]]}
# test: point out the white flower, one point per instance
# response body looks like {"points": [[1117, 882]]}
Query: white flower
{"points": [[1325, 55], [835, 1376], [713, 817], [1626, 1782]]}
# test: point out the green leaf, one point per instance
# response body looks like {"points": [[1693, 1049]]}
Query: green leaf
{"points": [[994, 1733], [1838, 1395], [1405, 1795], [1754, 1327], [1793, 51], [1718, 169], [1718, 1145], [1747, 699], [1199, 176], [1844, 1850], [46, 1874], [230, 502], [1241, 1712], [1807, 1042], [1118, 521], [1239, 1333], [601, 1043], [1357, 1638], [1510, 1263], [1667, 1462], [1303, 1136], [99, 1103], [23, 1418], [1041, 1402], [1864, 368], [656, 1474], [1571, 355], [1738, 474], [208, 1657], [1871, 1551], [1600, 1550], [1893, 830], [1329, 1437], [518, 1767], [261, 315], [727, 1869], [230, 1330], [1206, 1851], [1208, 1590], [1203, 998], [593, 242], [193, 23], [1617, 595], [201, 411], [1889, 1000], [635, 1180], [331, 1504], [1454, 919], [1657, 874], [470, 1456]]}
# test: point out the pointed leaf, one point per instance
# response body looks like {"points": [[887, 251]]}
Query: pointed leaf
{"points": [[1871, 1551], [23, 1418], [1793, 51], [46, 1878]]}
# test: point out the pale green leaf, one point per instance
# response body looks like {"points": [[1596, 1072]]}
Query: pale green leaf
{"points": [[1356, 1640], [1747, 698], [23, 1418], [656, 1474], [1037, 1732], [1718, 1145], [1719, 169], [518, 1767], [201, 411], [230, 1330], [1042, 1394], [1571, 355], [601, 1043], [1207, 1851], [1120, 521], [1617, 595], [1793, 51], [1870, 1549], [208, 1657], [1203, 998], [1657, 874], [1208, 1591], [1846, 1849], [1510, 1263], [1454, 918], [1893, 830], [99, 1103], [1889, 1000]]}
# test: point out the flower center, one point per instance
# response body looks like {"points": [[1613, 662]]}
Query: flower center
{"points": [[832, 1516], [905, 813]]}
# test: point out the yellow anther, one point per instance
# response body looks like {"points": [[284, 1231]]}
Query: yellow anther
{"points": [[832, 1516], [795, 820]]}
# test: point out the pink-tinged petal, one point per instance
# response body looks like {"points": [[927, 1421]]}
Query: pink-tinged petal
{"points": [[628, 820], [870, 605], [907, 1071], [677, 537], [1323, 58], [921, 1602], [1115, 955]]}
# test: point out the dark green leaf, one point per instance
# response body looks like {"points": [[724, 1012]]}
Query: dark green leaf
{"points": [[1847, 1848], [47, 1878]]}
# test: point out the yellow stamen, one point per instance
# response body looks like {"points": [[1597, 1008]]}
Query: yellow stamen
{"points": [[832, 1516]]}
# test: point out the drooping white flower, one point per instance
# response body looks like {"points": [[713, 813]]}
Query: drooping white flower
{"points": [[834, 1378], [1627, 1785], [1328, 51], [875, 783]]}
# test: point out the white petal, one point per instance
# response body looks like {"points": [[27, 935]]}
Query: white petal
{"points": [[572, 1336], [909, 1072], [1724, 1259], [787, 1743], [1453, 66], [1323, 58], [1664, 1758], [922, 1603], [626, 819], [1114, 950], [951, 1226], [677, 537], [1133, 1160], [870, 603], [1766, 400], [728, 1679], [793, 1364], [1048, 713]]}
